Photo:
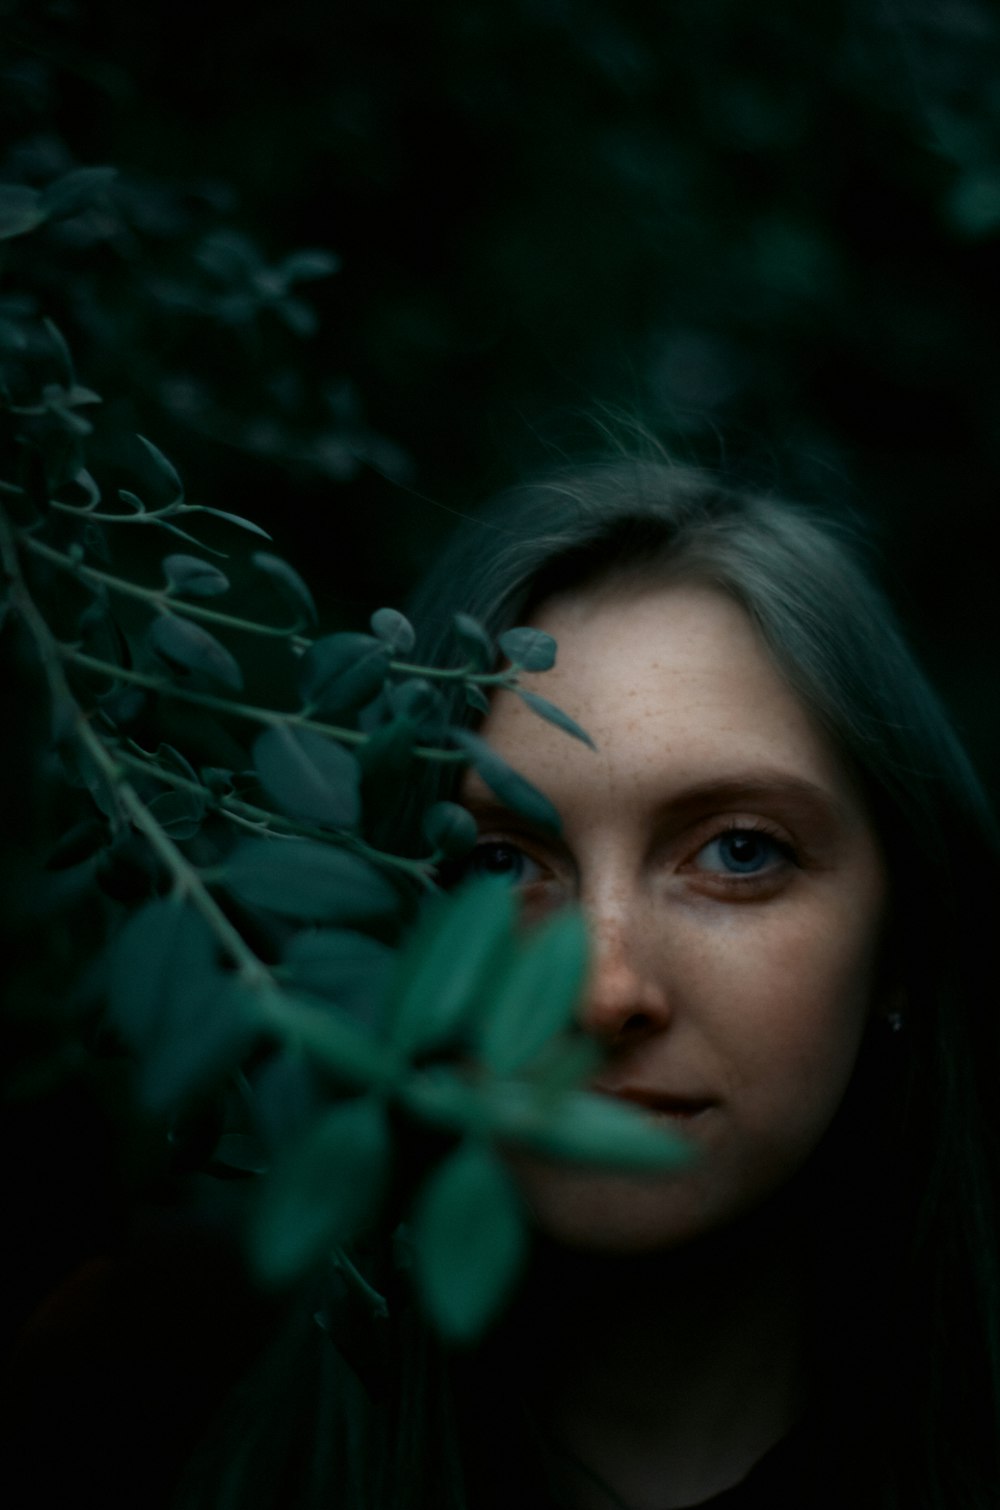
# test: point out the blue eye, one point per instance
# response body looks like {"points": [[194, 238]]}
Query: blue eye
{"points": [[496, 857], [742, 852]]}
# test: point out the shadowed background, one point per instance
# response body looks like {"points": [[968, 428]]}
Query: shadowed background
{"points": [[769, 233]]}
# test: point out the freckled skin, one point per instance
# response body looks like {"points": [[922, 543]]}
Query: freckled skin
{"points": [[752, 994]]}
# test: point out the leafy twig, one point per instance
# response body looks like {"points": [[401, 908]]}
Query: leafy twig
{"points": [[185, 877], [160, 599], [276, 823], [249, 711]]}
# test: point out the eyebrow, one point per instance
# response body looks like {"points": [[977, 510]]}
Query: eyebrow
{"points": [[741, 789], [751, 786]]}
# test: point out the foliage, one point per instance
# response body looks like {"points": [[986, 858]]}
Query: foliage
{"points": [[261, 953]]}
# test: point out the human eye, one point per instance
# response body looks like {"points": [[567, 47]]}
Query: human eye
{"points": [[502, 857], [744, 857]]}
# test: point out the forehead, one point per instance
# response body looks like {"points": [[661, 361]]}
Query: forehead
{"points": [[668, 679]]}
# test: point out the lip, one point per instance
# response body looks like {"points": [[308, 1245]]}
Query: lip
{"points": [[664, 1103]]}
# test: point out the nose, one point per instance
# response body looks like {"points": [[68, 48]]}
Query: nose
{"points": [[626, 998]]}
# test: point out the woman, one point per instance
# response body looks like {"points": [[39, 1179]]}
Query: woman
{"points": [[790, 872]]}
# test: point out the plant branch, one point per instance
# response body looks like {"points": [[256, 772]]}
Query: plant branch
{"points": [[276, 823], [457, 674], [185, 876], [162, 600], [250, 711], [166, 602]]}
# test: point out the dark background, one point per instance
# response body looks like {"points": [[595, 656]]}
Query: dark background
{"points": [[768, 233]]}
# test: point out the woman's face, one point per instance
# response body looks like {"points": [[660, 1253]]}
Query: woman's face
{"points": [[735, 891]]}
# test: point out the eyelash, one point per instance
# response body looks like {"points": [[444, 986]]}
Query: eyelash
{"points": [[783, 854], [746, 881]]}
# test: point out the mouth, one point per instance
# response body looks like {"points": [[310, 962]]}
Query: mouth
{"points": [[660, 1103]]}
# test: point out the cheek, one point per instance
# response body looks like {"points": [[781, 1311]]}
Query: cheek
{"points": [[790, 1011]]}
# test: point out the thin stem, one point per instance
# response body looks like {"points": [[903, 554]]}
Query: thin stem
{"points": [[457, 674], [185, 877], [354, 1277], [164, 601], [277, 823], [248, 711], [148, 516]]}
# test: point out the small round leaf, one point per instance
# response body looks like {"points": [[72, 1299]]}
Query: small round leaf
{"points": [[288, 581], [450, 829], [310, 776], [191, 648], [530, 649], [470, 1240], [341, 672], [394, 629], [188, 577]]}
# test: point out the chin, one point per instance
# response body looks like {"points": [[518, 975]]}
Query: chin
{"points": [[600, 1212]]}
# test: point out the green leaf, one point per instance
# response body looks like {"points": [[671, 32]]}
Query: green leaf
{"points": [[451, 1099], [512, 789], [529, 649], [450, 829], [299, 316], [554, 715], [244, 524], [394, 629], [310, 776], [285, 1095], [288, 581], [188, 577], [386, 761], [21, 210], [74, 191], [387, 756], [347, 967], [418, 701], [345, 1050], [229, 255], [186, 1020], [448, 967], [325, 1189], [172, 758], [302, 878], [476, 698], [309, 263], [84, 480], [165, 951], [63, 356], [164, 469], [590, 1129], [210, 1032], [184, 644], [537, 996], [474, 640], [178, 813], [342, 672], [469, 1241]]}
